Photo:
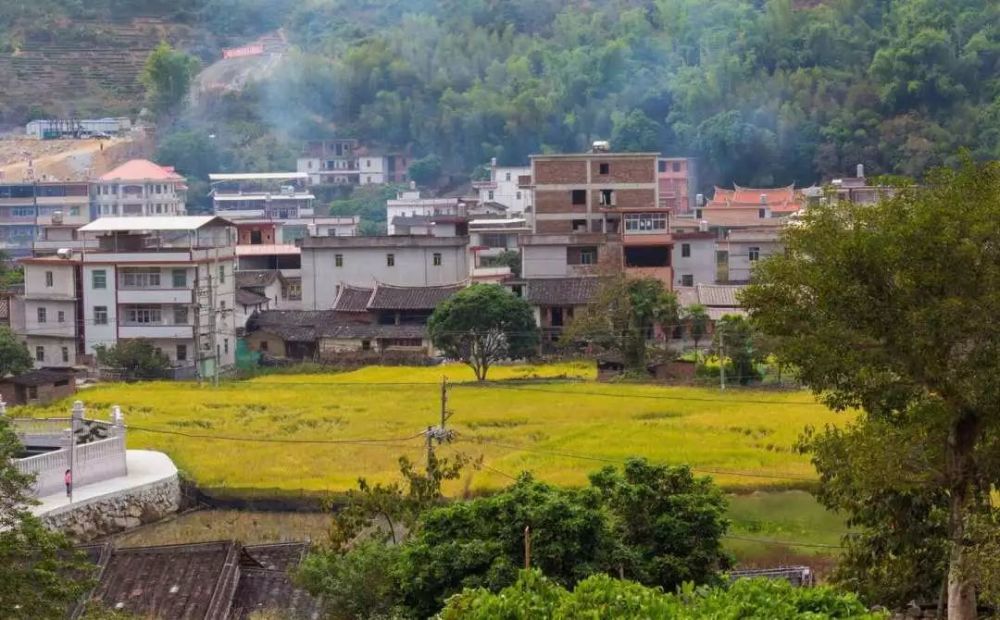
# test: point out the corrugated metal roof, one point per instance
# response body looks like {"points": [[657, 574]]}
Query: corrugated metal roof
{"points": [[257, 176], [168, 222]]}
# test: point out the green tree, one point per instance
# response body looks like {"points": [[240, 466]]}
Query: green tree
{"points": [[698, 323], [135, 359], [507, 258], [623, 316], [426, 170], [167, 77], [635, 132], [359, 584], [734, 340], [14, 356], [42, 575], [483, 324], [533, 595], [367, 201], [881, 307], [668, 523]]}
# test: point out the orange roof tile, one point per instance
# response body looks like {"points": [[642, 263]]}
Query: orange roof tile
{"points": [[785, 199], [142, 170]]}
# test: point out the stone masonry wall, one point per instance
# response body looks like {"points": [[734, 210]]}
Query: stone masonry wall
{"points": [[87, 520]]}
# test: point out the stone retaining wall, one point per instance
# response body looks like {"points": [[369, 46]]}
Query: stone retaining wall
{"points": [[86, 520]]}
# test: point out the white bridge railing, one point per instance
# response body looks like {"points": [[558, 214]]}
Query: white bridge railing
{"points": [[90, 462]]}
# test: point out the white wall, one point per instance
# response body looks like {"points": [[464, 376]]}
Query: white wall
{"points": [[700, 264], [506, 192], [95, 334], [544, 261]]}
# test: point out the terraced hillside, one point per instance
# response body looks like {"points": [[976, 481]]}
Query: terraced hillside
{"points": [[84, 68]]}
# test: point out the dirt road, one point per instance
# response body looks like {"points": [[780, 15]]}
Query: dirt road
{"points": [[25, 159]]}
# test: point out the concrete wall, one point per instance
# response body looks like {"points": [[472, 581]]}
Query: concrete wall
{"points": [[740, 265], [266, 342], [362, 266], [87, 520], [700, 265]]}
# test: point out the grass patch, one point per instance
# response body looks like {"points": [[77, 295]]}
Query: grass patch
{"points": [[747, 432]]}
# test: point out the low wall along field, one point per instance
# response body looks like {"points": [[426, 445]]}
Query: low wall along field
{"points": [[322, 432]]}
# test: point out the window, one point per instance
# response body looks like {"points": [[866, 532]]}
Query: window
{"points": [[607, 198], [100, 315], [222, 274], [687, 280], [437, 259], [61, 316], [507, 176], [686, 250], [65, 355], [222, 305], [49, 279], [604, 168], [182, 352], [42, 315], [140, 277], [697, 213], [294, 291], [33, 389], [263, 345], [366, 345], [74, 210], [40, 353], [645, 222], [225, 346], [588, 256], [180, 315], [754, 254], [518, 195], [762, 213], [390, 260], [490, 195], [579, 196], [661, 166], [143, 315], [179, 278], [338, 260], [23, 211], [676, 166]]}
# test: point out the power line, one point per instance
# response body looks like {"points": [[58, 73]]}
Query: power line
{"points": [[650, 396], [784, 543]]}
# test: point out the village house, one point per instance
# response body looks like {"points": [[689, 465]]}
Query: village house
{"points": [[328, 263], [694, 257], [37, 387], [330, 162], [677, 179], [170, 280], [503, 188], [274, 196], [50, 324], [140, 188], [42, 217], [741, 249], [410, 214]]}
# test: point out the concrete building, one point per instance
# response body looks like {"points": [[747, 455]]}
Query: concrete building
{"points": [[741, 249], [491, 237], [376, 168], [410, 214], [52, 326], [139, 188], [678, 181], [503, 187], [694, 258], [328, 263], [275, 196], [170, 280], [42, 217], [332, 162]]}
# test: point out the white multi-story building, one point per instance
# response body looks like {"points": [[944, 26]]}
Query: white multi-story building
{"points": [[169, 280], [50, 327], [694, 258], [408, 211], [140, 188], [503, 188], [276, 196], [330, 162]]}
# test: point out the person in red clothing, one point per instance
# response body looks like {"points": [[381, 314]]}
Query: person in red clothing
{"points": [[68, 479]]}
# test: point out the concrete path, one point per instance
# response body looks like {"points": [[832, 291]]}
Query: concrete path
{"points": [[145, 467]]}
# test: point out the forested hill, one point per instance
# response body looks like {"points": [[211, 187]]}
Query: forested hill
{"points": [[760, 91]]}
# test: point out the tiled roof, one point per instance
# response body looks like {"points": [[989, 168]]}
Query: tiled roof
{"points": [[278, 556], [141, 170], [291, 325], [718, 299], [262, 277], [173, 581], [561, 291], [354, 331], [262, 589], [249, 298], [776, 198], [40, 377], [352, 299], [389, 297]]}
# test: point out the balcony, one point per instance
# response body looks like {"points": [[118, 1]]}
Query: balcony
{"points": [[155, 330], [64, 220], [46, 246], [153, 296]]}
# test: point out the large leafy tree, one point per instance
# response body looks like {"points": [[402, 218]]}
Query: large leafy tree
{"points": [[483, 324], [41, 576], [889, 308], [134, 359], [14, 356], [624, 316], [167, 77]]}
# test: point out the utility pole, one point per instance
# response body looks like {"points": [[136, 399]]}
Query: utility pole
{"points": [[527, 547], [213, 333], [444, 402], [722, 361], [430, 447]]}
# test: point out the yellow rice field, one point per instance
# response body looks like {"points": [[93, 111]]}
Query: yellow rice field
{"points": [[266, 433]]}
